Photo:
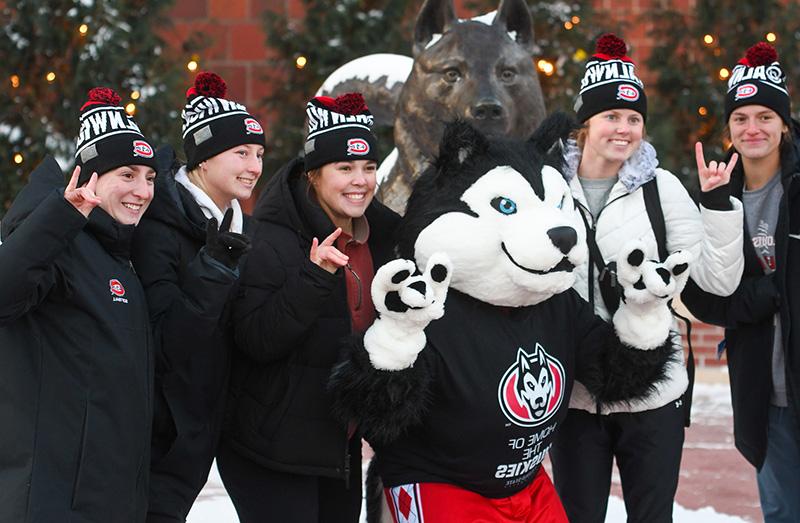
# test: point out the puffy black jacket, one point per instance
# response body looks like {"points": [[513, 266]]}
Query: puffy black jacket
{"points": [[187, 293], [75, 361], [747, 316], [290, 317]]}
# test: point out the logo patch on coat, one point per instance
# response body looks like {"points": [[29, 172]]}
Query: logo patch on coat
{"points": [[142, 149], [357, 146], [532, 389], [117, 290], [251, 126]]}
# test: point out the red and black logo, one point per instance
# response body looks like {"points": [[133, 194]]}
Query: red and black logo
{"points": [[532, 389], [627, 92], [116, 287], [251, 126], [357, 146], [142, 149], [746, 91]]}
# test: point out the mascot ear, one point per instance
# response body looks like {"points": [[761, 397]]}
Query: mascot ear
{"points": [[435, 17], [551, 131], [460, 142], [515, 17]]}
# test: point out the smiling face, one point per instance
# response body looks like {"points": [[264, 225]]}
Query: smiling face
{"points": [[756, 131], [514, 247], [231, 174], [126, 192], [344, 190], [613, 136]]}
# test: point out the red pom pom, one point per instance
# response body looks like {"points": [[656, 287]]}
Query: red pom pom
{"points": [[350, 103], [611, 45], [103, 95], [210, 84], [761, 54]]}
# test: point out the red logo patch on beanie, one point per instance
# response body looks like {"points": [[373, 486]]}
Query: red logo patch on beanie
{"points": [[627, 92], [251, 126], [357, 146], [746, 91], [142, 149], [116, 288]]}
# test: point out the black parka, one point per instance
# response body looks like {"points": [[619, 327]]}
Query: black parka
{"points": [[748, 313], [75, 363], [187, 294], [290, 319]]}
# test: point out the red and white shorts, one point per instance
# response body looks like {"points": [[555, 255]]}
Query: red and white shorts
{"points": [[444, 503]]}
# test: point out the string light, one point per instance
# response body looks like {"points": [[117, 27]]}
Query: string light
{"points": [[14, 81], [51, 76], [83, 29], [130, 108], [301, 62], [708, 39], [568, 25], [579, 55], [135, 95], [18, 159], [192, 65], [702, 111], [576, 20], [724, 73], [546, 67], [771, 37]]}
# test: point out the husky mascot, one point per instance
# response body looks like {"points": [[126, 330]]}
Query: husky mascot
{"points": [[461, 411]]}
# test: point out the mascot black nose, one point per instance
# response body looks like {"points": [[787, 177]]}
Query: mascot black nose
{"points": [[563, 237], [487, 109]]}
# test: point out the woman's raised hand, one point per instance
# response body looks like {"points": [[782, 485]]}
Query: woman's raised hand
{"points": [[82, 198], [326, 255], [714, 174]]}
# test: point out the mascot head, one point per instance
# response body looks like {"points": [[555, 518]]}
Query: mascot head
{"points": [[501, 211]]}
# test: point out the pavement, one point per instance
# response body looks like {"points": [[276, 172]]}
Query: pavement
{"points": [[716, 484]]}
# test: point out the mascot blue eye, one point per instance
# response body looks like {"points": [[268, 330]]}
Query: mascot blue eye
{"points": [[504, 205]]}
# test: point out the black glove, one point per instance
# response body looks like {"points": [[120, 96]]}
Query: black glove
{"points": [[223, 245]]}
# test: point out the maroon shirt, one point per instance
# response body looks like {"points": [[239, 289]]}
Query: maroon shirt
{"points": [[358, 275]]}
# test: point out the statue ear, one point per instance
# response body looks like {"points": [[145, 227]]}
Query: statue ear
{"points": [[435, 17], [459, 143], [514, 17]]}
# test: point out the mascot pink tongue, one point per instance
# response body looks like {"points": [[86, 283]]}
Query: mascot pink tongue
{"points": [[463, 379]]}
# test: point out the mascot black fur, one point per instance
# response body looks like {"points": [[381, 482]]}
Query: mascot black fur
{"points": [[488, 244]]}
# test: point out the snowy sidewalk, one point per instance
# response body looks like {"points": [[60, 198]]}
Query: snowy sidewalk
{"points": [[716, 486]]}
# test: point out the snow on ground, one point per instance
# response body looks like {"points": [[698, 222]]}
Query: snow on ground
{"points": [[710, 401]]}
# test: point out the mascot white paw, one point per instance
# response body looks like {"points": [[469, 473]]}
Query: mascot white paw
{"points": [[644, 319], [406, 303]]}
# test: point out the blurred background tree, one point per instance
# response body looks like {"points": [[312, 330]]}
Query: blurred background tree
{"points": [[692, 60], [54, 51]]}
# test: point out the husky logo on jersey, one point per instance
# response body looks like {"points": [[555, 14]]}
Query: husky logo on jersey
{"points": [[627, 92], [142, 149], [532, 389], [746, 91], [117, 290], [357, 146]]}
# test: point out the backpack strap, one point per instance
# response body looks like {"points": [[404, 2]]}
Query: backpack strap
{"points": [[655, 213], [607, 273]]}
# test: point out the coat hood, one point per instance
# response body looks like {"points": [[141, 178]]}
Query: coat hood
{"points": [[45, 179], [635, 172]]}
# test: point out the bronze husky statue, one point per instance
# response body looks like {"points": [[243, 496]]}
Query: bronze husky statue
{"points": [[479, 70]]}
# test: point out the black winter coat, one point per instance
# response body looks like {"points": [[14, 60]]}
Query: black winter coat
{"points": [[747, 316], [187, 293], [75, 363], [290, 318]]}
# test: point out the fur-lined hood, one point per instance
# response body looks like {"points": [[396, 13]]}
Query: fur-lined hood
{"points": [[635, 172]]}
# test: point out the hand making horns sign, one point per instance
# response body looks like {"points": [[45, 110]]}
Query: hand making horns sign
{"points": [[82, 198], [714, 174]]}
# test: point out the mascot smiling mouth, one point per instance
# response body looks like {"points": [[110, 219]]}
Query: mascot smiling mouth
{"points": [[563, 266]]}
